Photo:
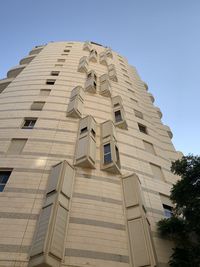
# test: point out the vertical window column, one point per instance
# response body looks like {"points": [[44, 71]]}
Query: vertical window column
{"points": [[110, 160]]}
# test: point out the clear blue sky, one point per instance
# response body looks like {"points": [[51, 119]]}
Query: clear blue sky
{"points": [[161, 38]]}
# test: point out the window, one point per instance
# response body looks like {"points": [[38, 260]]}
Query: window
{"points": [[45, 92], [107, 154], [168, 211], [50, 82], [29, 123], [66, 50], [84, 130], [55, 73], [138, 114], [4, 176], [117, 154], [64, 54], [61, 60], [118, 116], [89, 75], [116, 105], [93, 132], [58, 65], [37, 105], [68, 46], [149, 147], [157, 172], [142, 128], [16, 146]]}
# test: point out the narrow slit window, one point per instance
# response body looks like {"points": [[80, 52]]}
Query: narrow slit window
{"points": [[55, 73], [118, 116], [84, 130], [107, 154], [50, 82], [93, 132]]}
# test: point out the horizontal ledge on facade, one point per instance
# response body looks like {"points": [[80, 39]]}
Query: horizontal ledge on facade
{"points": [[36, 50], [26, 60], [167, 128], [12, 73], [4, 83], [159, 112]]}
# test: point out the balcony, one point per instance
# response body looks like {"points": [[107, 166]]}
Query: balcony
{"points": [[159, 112], [151, 97], [4, 83], [168, 131], [14, 72], [36, 50], [26, 60]]}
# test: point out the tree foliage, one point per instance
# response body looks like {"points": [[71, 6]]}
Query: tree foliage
{"points": [[184, 226]]}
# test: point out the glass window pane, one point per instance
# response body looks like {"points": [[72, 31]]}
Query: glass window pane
{"points": [[107, 158], [118, 116], [107, 148]]}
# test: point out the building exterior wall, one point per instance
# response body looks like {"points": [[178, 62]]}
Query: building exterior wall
{"points": [[97, 232]]}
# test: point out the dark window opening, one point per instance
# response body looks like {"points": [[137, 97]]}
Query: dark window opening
{"points": [[50, 82], [84, 130], [93, 132], [55, 73], [4, 176], [107, 154], [118, 116], [142, 128], [29, 123]]}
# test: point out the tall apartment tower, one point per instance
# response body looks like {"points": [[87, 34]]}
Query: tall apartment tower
{"points": [[84, 162]]}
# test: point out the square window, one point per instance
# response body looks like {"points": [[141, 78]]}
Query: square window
{"points": [[29, 123], [55, 73], [138, 114], [142, 128], [58, 65], [16, 146], [118, 116], [37, 105], [168, 211], [50, 82], [84, 130], [4, 176], [61, 60], [45, 92]]}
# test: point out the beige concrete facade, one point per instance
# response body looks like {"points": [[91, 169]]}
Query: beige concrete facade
{"points": [[90, 173]]}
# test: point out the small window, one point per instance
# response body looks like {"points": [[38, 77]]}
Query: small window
{"points": [[58, 65], [50, 82], [95, 85], [4, 176], [84, 130], [149, 147], [89, 75], [118, 116], [142, 128], [107, 154], [16, 146], [168, 211], [93, 132], [116, 105], [37, 105], [138, 114], [55, 73], [66, 50], [45, 92], [68, 46], [29, 123], [64, 54], [117, 154], [61, 60]]}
